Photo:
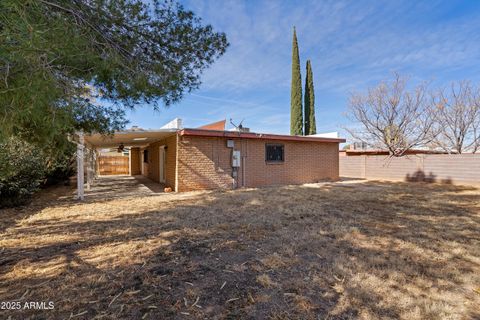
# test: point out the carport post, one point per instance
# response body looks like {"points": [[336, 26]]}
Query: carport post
{"points": [[80, 174]]}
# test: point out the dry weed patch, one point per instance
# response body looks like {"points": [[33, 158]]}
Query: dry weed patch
{"points": [[273, 261], [266, 281]]}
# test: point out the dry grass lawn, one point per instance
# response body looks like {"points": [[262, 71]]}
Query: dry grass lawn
{"points": [[358, 250]]}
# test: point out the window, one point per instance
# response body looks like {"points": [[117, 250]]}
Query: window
{"points": [[145, 156], [274, 153]]}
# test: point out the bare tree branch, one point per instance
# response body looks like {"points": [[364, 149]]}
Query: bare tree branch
{"points": [[457, 116], [393, 117]]}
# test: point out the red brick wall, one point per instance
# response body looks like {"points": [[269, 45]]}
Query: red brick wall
{"points": [[304, 162], [205, 163], [170, 160]]}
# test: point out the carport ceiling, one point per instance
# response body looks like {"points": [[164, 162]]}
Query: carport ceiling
{"points": [[128, 138]]}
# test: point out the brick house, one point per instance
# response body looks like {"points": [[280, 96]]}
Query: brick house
{"points": [[198, 159]]}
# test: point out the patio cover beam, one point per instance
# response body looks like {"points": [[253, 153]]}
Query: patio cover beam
{"points": [[80, 166]]}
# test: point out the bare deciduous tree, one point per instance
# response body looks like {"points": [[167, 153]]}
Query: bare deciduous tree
{"points": [[457, 115], [393, 117]]}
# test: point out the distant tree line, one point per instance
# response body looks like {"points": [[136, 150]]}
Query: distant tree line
{"points": [[397, 117]]}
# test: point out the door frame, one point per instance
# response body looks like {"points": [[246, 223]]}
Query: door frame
{"points": [[142, 170], [161, 164]]}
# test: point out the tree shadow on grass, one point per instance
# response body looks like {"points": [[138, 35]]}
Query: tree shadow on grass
{"points": [[372, 250], [57, 195]]}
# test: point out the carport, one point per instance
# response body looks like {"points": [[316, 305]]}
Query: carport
{"points": [[88, 147]]}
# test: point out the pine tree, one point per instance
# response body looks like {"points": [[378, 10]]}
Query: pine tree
{"points": [[296, 117], [310, 126], [129, 52]]}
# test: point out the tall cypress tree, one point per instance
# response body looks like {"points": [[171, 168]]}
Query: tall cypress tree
{"points": [[310, 125], [296, 117]]}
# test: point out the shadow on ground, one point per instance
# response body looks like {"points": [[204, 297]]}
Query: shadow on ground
{"points": [[114, 187], [340, 250]]}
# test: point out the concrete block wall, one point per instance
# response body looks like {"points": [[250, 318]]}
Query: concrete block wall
{"points": [[443, 168]]}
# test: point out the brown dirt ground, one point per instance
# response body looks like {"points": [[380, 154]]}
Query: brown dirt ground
{"points": [[363, 250]]}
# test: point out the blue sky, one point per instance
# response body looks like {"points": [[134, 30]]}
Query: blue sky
{"points": [[352, 45]]}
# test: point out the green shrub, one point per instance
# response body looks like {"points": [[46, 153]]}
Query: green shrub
{"points": [[61, 166], [22, 169]]}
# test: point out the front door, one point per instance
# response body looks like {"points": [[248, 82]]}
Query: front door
{"points": [[161, 158]]}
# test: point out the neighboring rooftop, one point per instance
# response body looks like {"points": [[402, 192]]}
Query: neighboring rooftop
{"points": [[219, 125], [385, 152]]}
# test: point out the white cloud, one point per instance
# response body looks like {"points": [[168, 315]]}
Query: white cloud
{"points": [[349, 42], [352, 45]]}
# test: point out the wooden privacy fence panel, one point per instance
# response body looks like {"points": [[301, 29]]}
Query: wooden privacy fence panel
{"points": [[113, 165], [454, 168]]}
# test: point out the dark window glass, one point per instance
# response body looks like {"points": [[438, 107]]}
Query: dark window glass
{"points": [[145, 156], [274, 153]]}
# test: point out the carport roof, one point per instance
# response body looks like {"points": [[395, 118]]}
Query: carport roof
{"points": [[128, 138]]}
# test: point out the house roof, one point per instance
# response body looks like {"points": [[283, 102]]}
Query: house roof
{"points": [[252, 135], [145, 137]]}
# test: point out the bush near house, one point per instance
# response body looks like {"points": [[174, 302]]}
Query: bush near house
{"points": [[60, 167], [22, 169]]}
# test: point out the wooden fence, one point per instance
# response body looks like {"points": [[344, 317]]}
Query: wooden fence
{"points": [[113, 165], [444, 168]]}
